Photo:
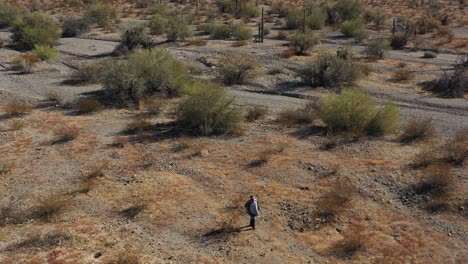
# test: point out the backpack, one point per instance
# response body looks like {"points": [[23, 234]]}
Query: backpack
{"points": [[253, 208]]}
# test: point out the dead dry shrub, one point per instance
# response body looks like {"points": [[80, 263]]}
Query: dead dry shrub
{"points": [[17, 109], [337, 200], [133, 210], [54, 97], [87, 73], [138, 125], [119, 142], [264, 156], [87, 105], [255, 113], [425, 157], [96, 170], [437, 181], [151, 106], [417, 130], [6, 168], [16, 125], [52, 239], [300, 116], [187, 143], [282, 35], [453, 82], [65, 134], [403, 76], [126, 256], [456, 149], [352, 242], [50, 206]]}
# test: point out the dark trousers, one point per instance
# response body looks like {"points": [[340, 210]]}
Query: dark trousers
{"points": [[252, 221]]}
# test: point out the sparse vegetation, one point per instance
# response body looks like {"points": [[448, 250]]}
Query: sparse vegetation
{"points": [[399, 41], [417, 129], [456, 148], [403, 76], [209, 110], [377, 47], [348, 9], [337, 200], [138, 125], [256, 113], [24, 63], [237, 68], [134, 38], [65, 134], [73, 26], [100, 13], [35, 29], [353, 28], [300, 116], [87, 105], [50, 206], [452, 83], [17, 109], [438, 180], [86, 73]]}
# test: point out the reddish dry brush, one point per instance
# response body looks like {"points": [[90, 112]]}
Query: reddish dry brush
{"points": [[337, 200]]}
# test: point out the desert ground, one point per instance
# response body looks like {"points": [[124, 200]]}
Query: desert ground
{"points": [[85, 188]]}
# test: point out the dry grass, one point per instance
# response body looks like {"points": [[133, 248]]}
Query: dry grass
{"points": [[300, 116], [49, 240], [425, 157], [119, 142], [17, 109], [352, 242], [87, 105], [417, 130], [456, 149], [403, 76], [96, 170], [264, 156], [438, 180], [65, 134], [151, 106], [126, 256], [5, 168], [16, 125], [138, 125], [132, 211], [256, 113], [50, 206], [187, 143], [336, 201]]}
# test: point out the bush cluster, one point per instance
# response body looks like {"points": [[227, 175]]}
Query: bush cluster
{"points": [[348, 9], [33, 29], [356, 112], [73, 26], [302, 42], [314, 20], [237, 68], [377, 47], [8, 13], [330, 71], [235, 30], [144, 73], [133, 38], [100, 13], [209, 110], [353, 28]]}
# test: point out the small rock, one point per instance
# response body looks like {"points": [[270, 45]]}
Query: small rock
{"points": [[97, 254], [339, 230]]}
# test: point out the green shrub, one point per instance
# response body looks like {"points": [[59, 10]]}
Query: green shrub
{"points": [[144, 73], [294, 18], [8, 13], [427, 24], [348, 9], [355, 111], [45, 52], [35, 28], [133, 38], [377, 18], [352, 28], [316, 20], [208, 110], [250, 9], [73, 26], [86, 73], [218, 30], [398, 41], [177, 28], [158, 25], [100, 13], [329, 71], [240, 32], [237, 68], [377, 47], [255, 113], [226, 6], [303, 41]]}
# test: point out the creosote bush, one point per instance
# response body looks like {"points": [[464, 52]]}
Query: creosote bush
{"points": [[134, 38], [145, 73], [45, 52], [209, 110], [348, 9], [454, 82], [33, 29], [377, 47], [399, 41], [237, 68], [73, 26], [355, 111], [456, 148], [177, 28], [417, 129], [100, 13], [9, 12], [329, 71], [353, 28], [303, 41], [255, 113], [438, 178], [86, 73]]}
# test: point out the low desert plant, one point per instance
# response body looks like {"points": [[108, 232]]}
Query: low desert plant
{"points": [[134, 38], [300, 116], [352, 28], [456, 148], [73, 26], [240, 32], [33, 29], [145, 73], [50, 206], [47, 241], [65, 134], [336, 200], [100, 13], [9, 12], [417, 129], [255, 113], [301, 42], [237, 68], [439, 178], [403, 76], [158, 25], [353, 241], [348, 9], [377, 47], [329, 71], [355, 111], [453, 82], [177, 28], [398, 41], [24, 63], [45, 52], [17, 109], [218, 30], [86, 73], [209, 110], [119, 142], [87, 105], [138, 125], [282, 35]]}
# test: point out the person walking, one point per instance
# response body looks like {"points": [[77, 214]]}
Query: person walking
{"points": [[252, 208]]}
